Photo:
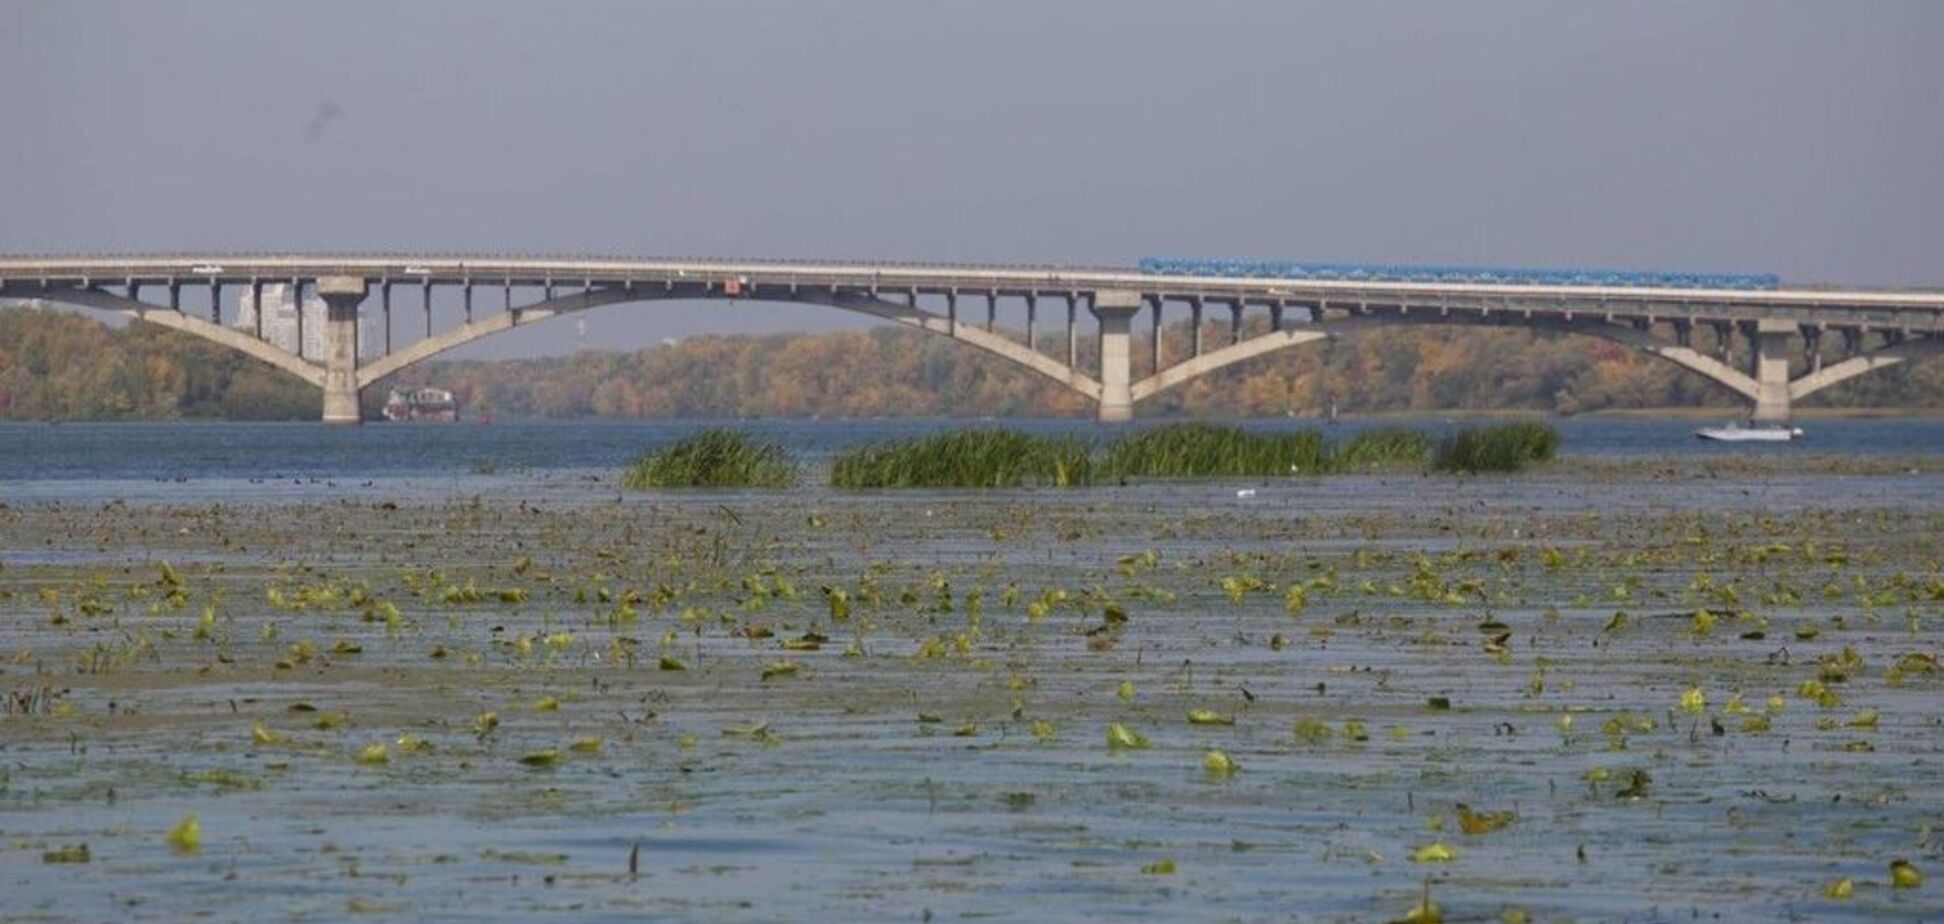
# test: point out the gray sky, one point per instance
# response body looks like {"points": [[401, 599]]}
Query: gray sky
{"points": [[1800, 138]]}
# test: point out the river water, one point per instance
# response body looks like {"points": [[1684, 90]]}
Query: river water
{"points": [[131, 461], [1675, 697]]}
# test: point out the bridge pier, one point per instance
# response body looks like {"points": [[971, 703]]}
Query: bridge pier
{"points": [[1771, 369], [1115, 311], [342, 295]]}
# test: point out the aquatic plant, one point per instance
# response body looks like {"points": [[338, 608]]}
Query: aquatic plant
{"points": [[735, 610], [185, 837], [1002, 458], [982, 458], [1205, 450], [1217, 763], [1382, 449], [712, 458], [1507, 447]]}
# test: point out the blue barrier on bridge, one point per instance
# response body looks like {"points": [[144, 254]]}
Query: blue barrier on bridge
{"points": [[1384, 272]]}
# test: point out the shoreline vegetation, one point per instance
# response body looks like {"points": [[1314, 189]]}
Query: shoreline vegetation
{"points": [[999, 458], [64, 365]]}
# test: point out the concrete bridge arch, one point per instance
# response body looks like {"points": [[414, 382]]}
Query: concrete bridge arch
{"points": [[1768, 386], [908, 314], [343, 375], [1882, 327]]}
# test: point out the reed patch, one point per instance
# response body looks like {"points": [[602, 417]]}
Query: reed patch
{"points": [[712, 458]]}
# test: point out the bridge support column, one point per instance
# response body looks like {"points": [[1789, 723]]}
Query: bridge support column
{"points": [[342, 295], [1115, 311], [1771, 361]]}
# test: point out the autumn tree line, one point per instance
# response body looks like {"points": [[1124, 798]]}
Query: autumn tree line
{"points": [[57, 364]]}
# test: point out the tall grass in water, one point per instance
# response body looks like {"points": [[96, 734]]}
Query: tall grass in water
{"points": [[966, 459], [1382, 449], [1507, 447], [713, 458], [1002, 458], [1204, 450]]}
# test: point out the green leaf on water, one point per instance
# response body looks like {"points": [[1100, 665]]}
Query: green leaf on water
{"points": [[262, 735], [1311, 730], [185, 836], [779, 669], [546, 757], [1434, 852], [77, 853], [1120, 737], [1218, 763], [1476, 823], [1905, 876]]}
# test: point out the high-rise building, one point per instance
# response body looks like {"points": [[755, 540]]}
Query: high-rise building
{"points": [[281, 322]]}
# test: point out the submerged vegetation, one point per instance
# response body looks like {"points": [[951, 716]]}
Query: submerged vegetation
{"points": [[712, 458]]}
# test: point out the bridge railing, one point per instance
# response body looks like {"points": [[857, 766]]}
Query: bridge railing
{"points": [[1489, 275]]}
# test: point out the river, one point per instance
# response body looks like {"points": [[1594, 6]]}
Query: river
{"points": [[453, 673]]}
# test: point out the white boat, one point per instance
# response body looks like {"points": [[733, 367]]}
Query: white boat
{"points": [[1736, 433]]}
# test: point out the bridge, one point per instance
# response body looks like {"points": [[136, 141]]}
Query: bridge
{"points": [[1749, 325]]}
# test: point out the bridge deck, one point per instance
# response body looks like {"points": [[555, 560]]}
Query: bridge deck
{"points": [[1913, 309]]}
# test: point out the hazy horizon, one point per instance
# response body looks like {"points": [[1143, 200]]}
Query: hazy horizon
{"points": [[1797, 138]]}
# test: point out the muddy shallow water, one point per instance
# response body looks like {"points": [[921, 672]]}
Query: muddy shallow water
{"points": [[1527, 647]]}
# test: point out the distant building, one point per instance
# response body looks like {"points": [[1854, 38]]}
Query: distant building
{"points": [[280, 322]]}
